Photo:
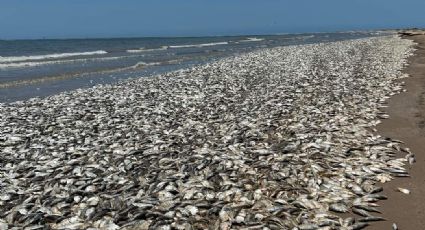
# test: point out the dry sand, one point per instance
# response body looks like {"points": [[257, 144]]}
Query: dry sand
{"points": [[407, 123]]}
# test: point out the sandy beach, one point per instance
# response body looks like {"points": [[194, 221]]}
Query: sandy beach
{"points": [[221, 115], [406, 123], [277, 138]]}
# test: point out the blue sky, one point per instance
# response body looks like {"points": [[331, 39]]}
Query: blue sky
{"points": [[123, 18]]}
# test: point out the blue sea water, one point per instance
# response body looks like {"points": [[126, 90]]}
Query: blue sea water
{"points": [[38, 68]]}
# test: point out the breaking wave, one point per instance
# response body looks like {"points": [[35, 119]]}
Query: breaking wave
{"points": [[199, 45], [48, 56], [252, 40], [38, 63], [141, 50]]}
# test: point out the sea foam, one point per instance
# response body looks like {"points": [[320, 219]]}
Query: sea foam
{"points": [[141, 50], [48, 56], [252, 40], [200, 45], [23, 64]]}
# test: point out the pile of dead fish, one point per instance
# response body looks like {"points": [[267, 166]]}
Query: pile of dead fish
{"points": [[278, 138]]}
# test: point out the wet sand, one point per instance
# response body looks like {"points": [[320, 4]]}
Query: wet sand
{"points": [[407, 123]]}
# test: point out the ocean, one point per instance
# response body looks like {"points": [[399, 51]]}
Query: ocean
{"points": [[39, 68]]}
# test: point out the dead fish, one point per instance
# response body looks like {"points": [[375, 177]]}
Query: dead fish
{"points": [[384, 177], [367, 208], [411, 160], [371, 218], [376, 196], [395, 226], [5, 197], [348, 221], [358, 226], [361, 212], [357, 190], [3, 225], [308, 227], [34, 227], [338, 207], [403, 190], [265, 139], [376, 189]]}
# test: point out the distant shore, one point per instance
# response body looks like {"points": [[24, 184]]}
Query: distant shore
{"points": [[407, 123]]}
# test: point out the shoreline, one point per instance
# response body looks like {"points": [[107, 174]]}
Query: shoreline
{"points": [[26, 73], [275, 138], [406, 123]]}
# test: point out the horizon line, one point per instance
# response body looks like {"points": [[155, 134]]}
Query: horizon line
{"points": [[199, 36]]}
